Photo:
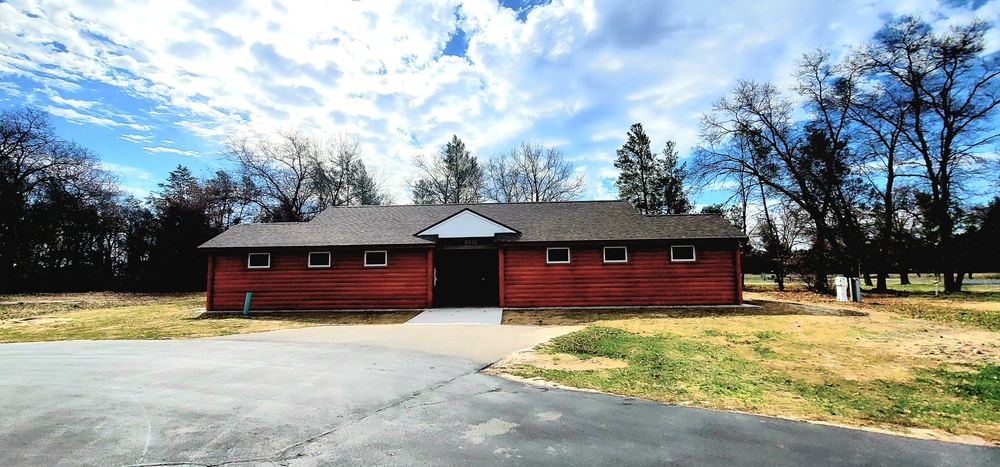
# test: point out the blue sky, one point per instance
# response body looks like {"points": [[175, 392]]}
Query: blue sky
{"points": [[149, 85]]}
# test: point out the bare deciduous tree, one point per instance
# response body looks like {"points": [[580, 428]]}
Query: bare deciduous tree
{"points": [[52, 196], [295, 176], [279, 171], [782, 156], [951, 89], [340, 178], [532, 173]]}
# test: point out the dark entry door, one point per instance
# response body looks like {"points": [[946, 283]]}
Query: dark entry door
{"points": [[466, 277]]}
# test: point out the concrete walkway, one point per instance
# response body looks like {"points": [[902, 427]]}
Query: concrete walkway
{"points": [[472, 315]]}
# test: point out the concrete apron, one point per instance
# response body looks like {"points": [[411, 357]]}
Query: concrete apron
{"points": [[476, 343], [474, 315]]}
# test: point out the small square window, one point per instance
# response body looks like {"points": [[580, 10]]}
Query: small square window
{"points": [[615, 254], [682, 253], [376, 258], [319, 259], [259, 260], [557, 255]]}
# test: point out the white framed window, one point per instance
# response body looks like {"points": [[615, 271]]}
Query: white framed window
{"points": [[559, 255], [682, 253], [259, 260], [376, 258], [319, 259], [615, 254]]}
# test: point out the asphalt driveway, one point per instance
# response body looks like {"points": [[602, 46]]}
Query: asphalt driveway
{"points": [[380, 395]]}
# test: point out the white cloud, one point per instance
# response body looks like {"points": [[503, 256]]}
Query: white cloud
{"points": [[74, 103], [134, 172], [141, 182], [574, 73], [180, 152], [135, 138], [81, 118], [9, 89]]}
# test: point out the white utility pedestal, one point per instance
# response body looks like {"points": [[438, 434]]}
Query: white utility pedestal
{"points": [[842, 289]]}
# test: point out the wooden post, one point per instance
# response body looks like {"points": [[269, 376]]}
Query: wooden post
{"points": [[210, 290], [430, 277], [739, 276], [503, 299]]}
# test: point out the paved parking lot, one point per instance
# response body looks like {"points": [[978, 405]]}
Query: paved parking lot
{"points": [[377, 395]]}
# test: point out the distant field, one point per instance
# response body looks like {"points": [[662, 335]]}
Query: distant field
{"points": [[977, 305], [983, 282]]}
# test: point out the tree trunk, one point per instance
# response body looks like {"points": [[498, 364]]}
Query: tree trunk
{"points": [[822, 253], [868, 279], [947, 264], [949, 281], [904, 278], [958, 281], [953, 281], [946, 254], [888, 221]]}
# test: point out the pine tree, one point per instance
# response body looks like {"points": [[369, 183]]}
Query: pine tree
{"points": [[675, 201], [453, 177], [638, 170], [651, 185]]}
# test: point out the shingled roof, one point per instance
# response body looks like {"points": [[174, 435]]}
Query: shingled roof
{"points": [[570, 221]]}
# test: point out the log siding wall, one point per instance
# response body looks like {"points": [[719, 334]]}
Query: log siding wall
{"points": [[648, 278], [289, 284], [526, 280]]}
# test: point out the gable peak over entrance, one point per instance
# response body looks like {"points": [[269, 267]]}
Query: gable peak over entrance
{"points": [[466, 224]]}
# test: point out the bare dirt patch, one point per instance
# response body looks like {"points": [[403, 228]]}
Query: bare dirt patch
{"points": [[31, 321], [557, 361]]}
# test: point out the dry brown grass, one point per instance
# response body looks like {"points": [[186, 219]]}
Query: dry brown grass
{"points": [[47, 317], [871, 349], [575, 316]]}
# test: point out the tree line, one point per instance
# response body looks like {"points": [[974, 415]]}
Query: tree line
{"points": [[877, 176], [66, 224]]}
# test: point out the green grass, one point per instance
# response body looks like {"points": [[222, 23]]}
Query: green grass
{"points": [[671, 368], [937, 398], [983, 383], [657, 365]]}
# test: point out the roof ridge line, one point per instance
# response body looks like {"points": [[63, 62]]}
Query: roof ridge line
{"points": [[476, 204], [653, 216]]}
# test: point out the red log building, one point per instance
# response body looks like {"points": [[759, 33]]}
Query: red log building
{"points": [[563, 254]]}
